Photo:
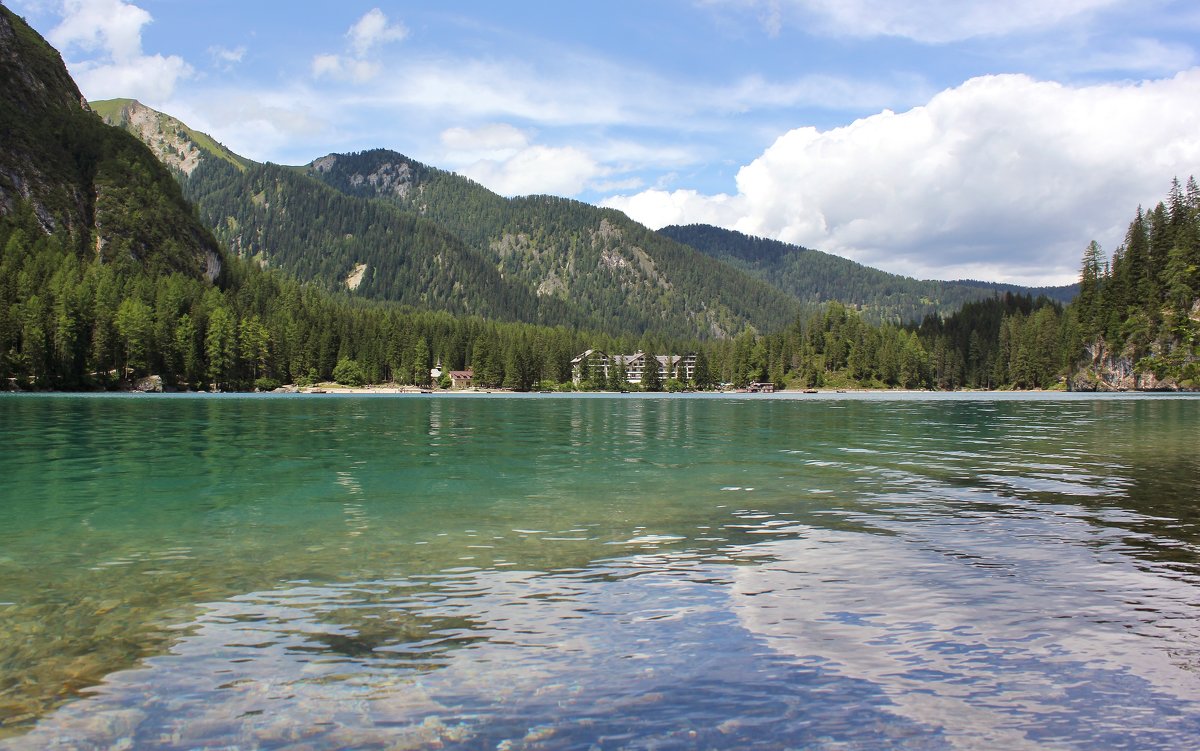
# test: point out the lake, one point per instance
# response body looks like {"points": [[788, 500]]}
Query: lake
{"points": [[900, 571]]}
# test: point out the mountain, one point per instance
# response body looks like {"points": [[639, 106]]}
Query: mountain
{"points": [[108, 276], [386, 227], [174, 143], [77, 178], [284, 218], [813, 276], [281, 217], [599, 259]]}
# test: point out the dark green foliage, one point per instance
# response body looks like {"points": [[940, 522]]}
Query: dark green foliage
{"points": [[100, 186], [293, 222], [816, 277], [1143, 305], [610, 272], [1139, 312], [71, 322], [702, 375], [832, 346], [1007, 341], [266, 384], [651, 378], [348, 373]]}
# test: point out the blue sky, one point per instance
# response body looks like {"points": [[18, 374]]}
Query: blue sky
{"points": [[932, 138]]}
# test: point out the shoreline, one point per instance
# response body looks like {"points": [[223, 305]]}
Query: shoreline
{"points": [[334, 389]]}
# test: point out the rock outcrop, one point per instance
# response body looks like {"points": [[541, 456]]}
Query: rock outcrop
{"points": [[1107, 371]]}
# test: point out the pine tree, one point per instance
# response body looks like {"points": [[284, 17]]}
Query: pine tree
{"points": [[651, 378], [254, 341], [186, 353], [219, 346], [620, 379], [701, 373], [419, 363], [1088, 301], [135, 326]]}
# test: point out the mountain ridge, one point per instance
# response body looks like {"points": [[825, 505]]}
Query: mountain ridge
{"points": [[172, 141], [815, 276], [553, 260], [566, 261], [559, 246]]}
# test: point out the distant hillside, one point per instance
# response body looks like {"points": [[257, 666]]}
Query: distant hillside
{"points": [[618, 271], [286, 219], [386, 227], [813, 276], [283, 218]]}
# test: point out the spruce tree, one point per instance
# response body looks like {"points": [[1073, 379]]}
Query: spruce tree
{"points": [[1088, 300], [651, 379]]}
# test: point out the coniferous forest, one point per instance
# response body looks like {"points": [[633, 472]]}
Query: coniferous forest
{"points": [[69, 320], [107, 274]]}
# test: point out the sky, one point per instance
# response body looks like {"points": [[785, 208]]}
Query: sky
{"points": [[942, 139]]}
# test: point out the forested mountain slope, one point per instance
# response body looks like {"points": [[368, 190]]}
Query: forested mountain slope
{"points": [[388, 228], [814, 276], [599, 259], [96, 292], [82, 179], [286, 219]]}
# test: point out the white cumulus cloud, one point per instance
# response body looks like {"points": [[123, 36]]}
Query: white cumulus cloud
{"points": [[1002, 177], [112, 31], [492, 138], [537, 169], [367, 34], [372, 30], [508, 160]]}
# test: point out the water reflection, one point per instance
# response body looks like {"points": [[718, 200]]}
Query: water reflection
{"points": [[798, 642], [556, 573], [486, 659]]}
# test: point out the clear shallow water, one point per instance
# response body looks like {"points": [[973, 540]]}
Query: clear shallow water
{"points": [[552, 573]]}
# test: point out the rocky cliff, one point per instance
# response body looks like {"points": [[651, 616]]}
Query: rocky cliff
{"points": [[1104, 370]]}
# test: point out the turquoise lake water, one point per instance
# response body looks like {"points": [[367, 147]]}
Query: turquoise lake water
{"points": [[564, 572]]}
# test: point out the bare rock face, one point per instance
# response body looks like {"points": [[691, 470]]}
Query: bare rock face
{"points": [[325, 163], [387, 178], [1107, 371], [152, 384], [162, 134]]}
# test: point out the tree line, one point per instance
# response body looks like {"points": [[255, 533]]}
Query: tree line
{"points": [[70, 319]]}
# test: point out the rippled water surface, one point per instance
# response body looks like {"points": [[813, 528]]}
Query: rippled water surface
{"points": [[860, 572]]}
